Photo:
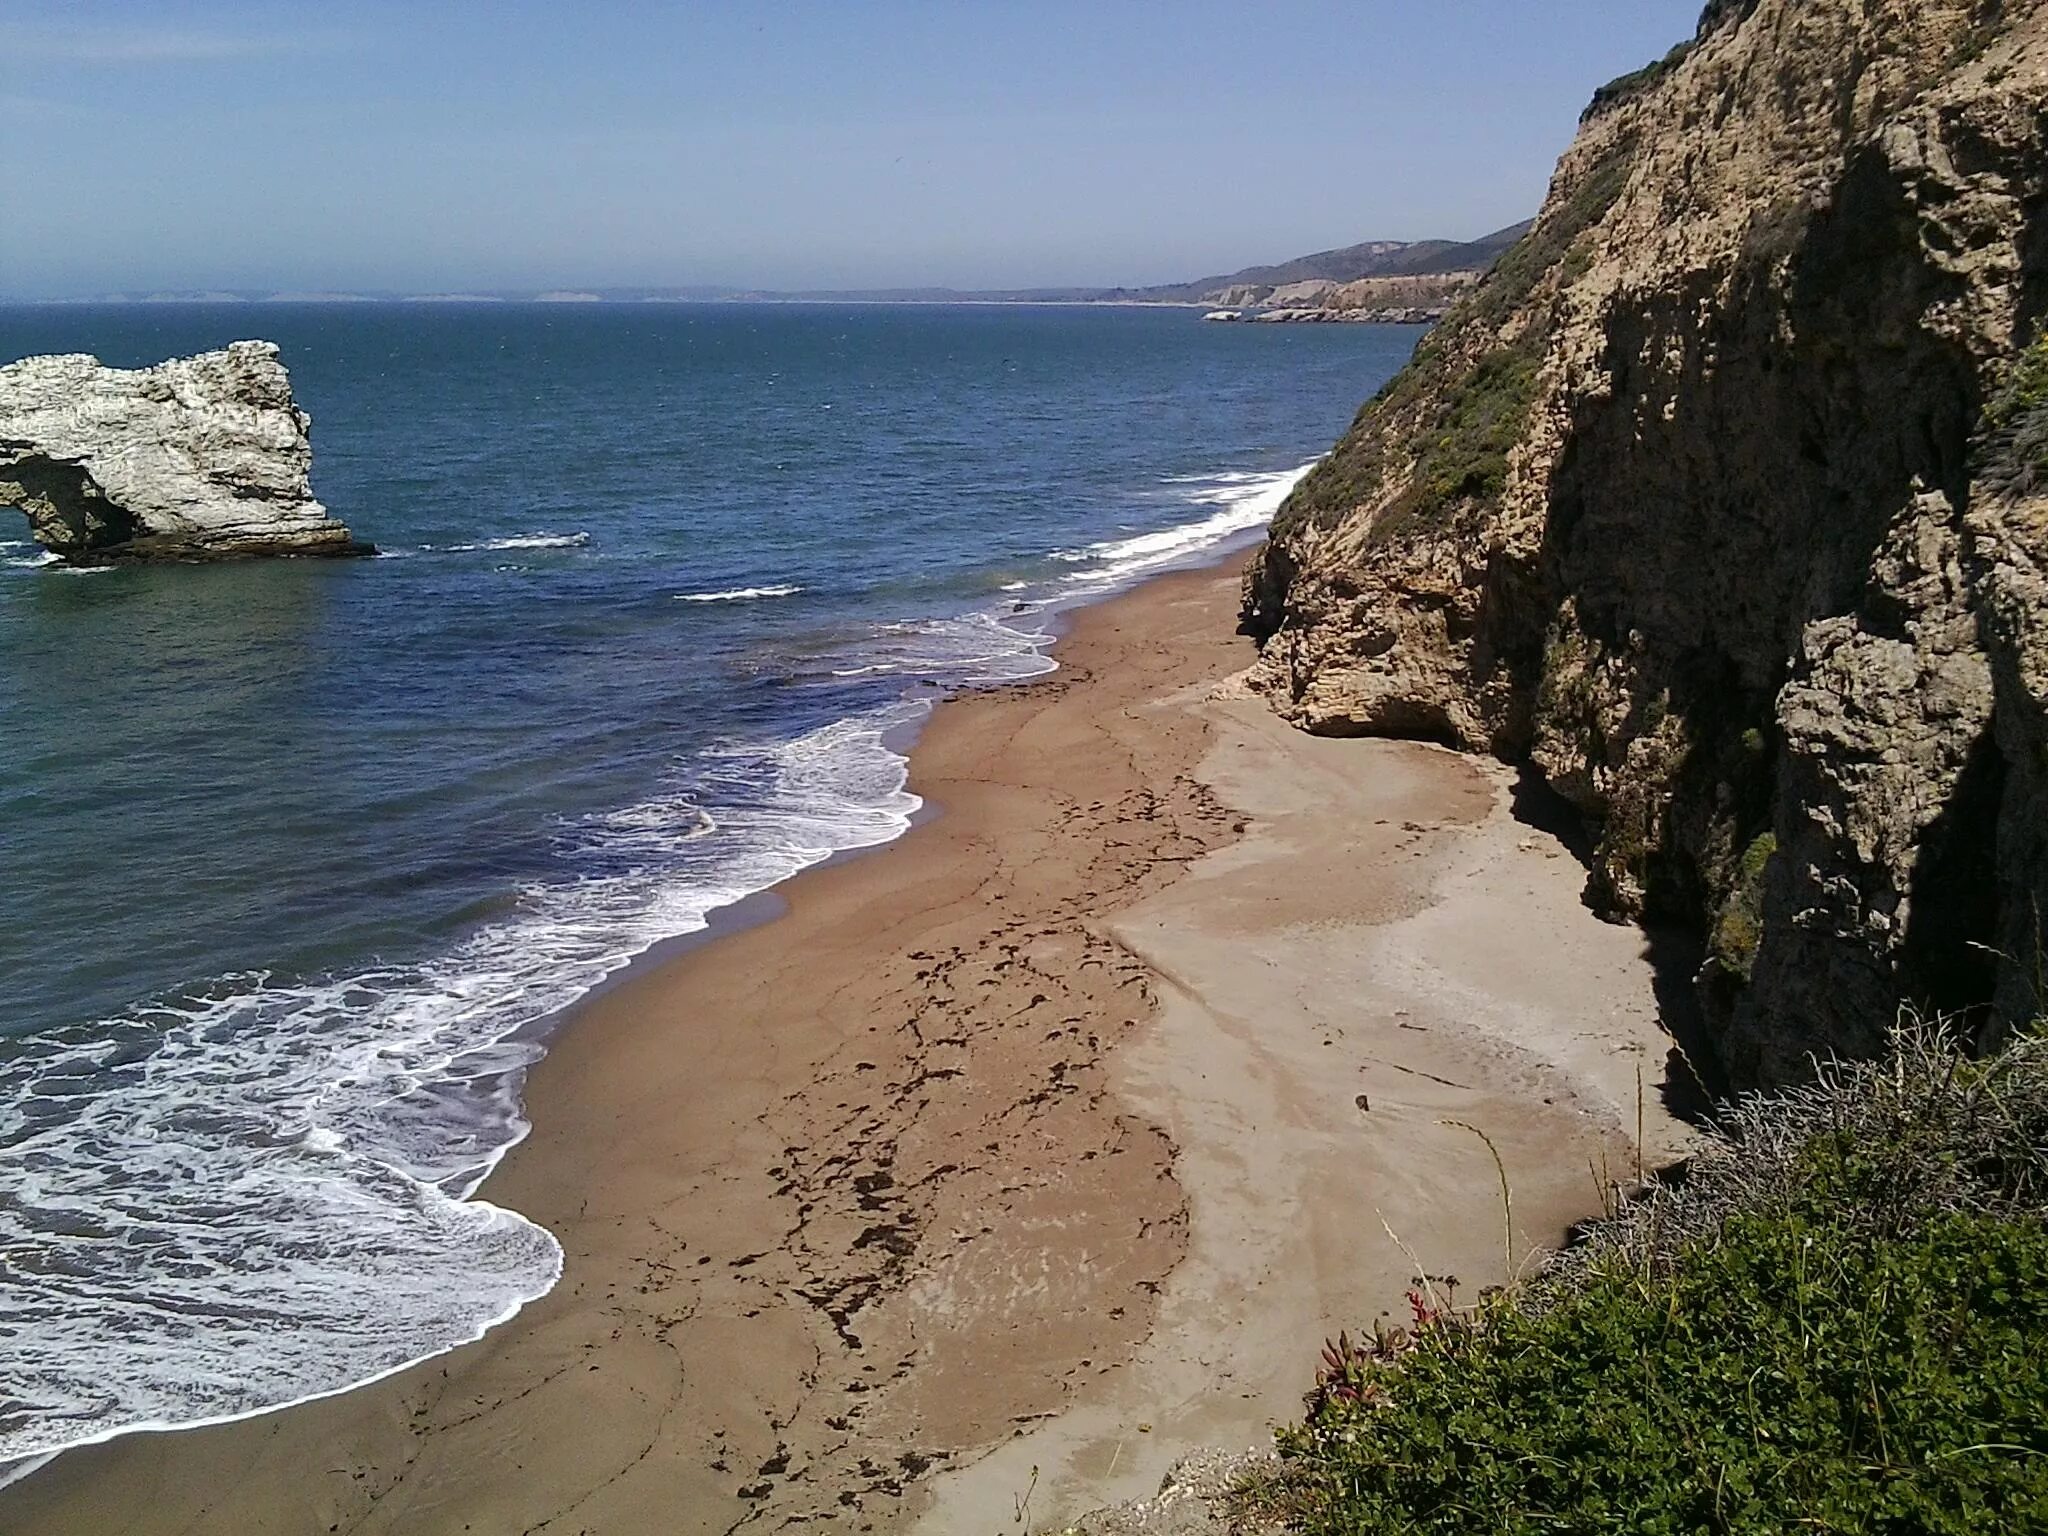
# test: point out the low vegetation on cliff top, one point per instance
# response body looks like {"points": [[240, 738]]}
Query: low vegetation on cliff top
{"points": [[1629, 86], [1449, 419], [1834, 1323]]}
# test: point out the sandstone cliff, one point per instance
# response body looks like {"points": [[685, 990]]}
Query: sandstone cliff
{"points": [[1721, 504], [199, 458], [1371, 293]]}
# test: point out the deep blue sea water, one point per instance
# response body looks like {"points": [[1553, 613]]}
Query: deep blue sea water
{"points": [[297, 858]]}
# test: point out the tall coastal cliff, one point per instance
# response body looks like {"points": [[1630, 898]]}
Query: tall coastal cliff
{"points": [[1723, 504], [198, 458]]}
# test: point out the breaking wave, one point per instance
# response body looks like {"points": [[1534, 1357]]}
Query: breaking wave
{"points": [[516, 541], [260, 1192], [740, 594], [1244, 502]]}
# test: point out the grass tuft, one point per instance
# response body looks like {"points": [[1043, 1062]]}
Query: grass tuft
{"points": [[1629, 86]]}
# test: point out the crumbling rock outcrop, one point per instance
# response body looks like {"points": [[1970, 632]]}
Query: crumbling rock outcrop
{"points": [[1720, 503], [199, 458]]}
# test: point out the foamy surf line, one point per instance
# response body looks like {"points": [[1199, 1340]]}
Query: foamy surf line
{"points": [[356, 1116], [12, 1471], [1245, 502], [740, 594], [347, 1121], [516, 541]]}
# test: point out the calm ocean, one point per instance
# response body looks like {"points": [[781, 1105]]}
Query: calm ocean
{"points": [[296, 858]]}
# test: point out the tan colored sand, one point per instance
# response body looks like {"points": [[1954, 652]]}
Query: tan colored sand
{"points": [[1387, 931], [853, 1196]]}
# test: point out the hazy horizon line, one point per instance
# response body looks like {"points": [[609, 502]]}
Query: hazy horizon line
{"points": [[694, 292]]}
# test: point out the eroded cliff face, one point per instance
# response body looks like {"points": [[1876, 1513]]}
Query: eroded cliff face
{"points": [[1717, 504], [199, 458]]}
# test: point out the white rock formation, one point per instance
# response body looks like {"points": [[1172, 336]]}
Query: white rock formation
{"points": [[199, 458]]}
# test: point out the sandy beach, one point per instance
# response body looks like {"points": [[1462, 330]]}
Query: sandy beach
{"points": [[1012, 1161]]}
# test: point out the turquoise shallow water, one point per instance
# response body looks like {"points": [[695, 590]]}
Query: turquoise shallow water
{"points": [[294, 857]]}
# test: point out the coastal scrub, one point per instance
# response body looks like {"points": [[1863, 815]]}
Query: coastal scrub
{"points": [[1833, 1323]]}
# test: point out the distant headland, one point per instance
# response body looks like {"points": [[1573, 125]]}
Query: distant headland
{"points": [[1339, 283]]}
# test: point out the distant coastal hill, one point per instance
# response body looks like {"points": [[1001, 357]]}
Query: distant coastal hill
{"points": [[1414, 267], [1325, 270]]}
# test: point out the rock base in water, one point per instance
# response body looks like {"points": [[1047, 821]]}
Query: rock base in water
{"points": [[198, 458]]}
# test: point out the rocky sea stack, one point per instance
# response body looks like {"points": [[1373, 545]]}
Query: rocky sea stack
{"points": [[1723, 503], [198, 458]]}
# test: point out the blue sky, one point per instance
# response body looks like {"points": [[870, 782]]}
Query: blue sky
{"points": [[459, 144]]}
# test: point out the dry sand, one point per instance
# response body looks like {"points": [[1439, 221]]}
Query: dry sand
{"points": [[1055, 1136]]}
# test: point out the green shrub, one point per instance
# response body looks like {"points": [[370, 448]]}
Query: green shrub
{"points": [[1463, 455], [1835, 1324], [1986, 27], [2025, 391], [1524, 265], [1789, 1374], [1740, 927]]}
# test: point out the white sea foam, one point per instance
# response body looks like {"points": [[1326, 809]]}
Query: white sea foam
{"points": [[739, 594], [974, 649], [228, 1202], [1243, 501], [1219, 477], [32, 562], [517, 541]]}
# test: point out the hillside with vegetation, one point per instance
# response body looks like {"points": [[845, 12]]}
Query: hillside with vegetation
{"points": [[1829, 1319]]}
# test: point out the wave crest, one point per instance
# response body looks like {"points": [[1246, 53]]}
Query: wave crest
{"points": [[740, 594], [1244, 501], [516, 541]]}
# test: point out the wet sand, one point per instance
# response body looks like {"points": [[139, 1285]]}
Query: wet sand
{"points": [[1056, 1135]]}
